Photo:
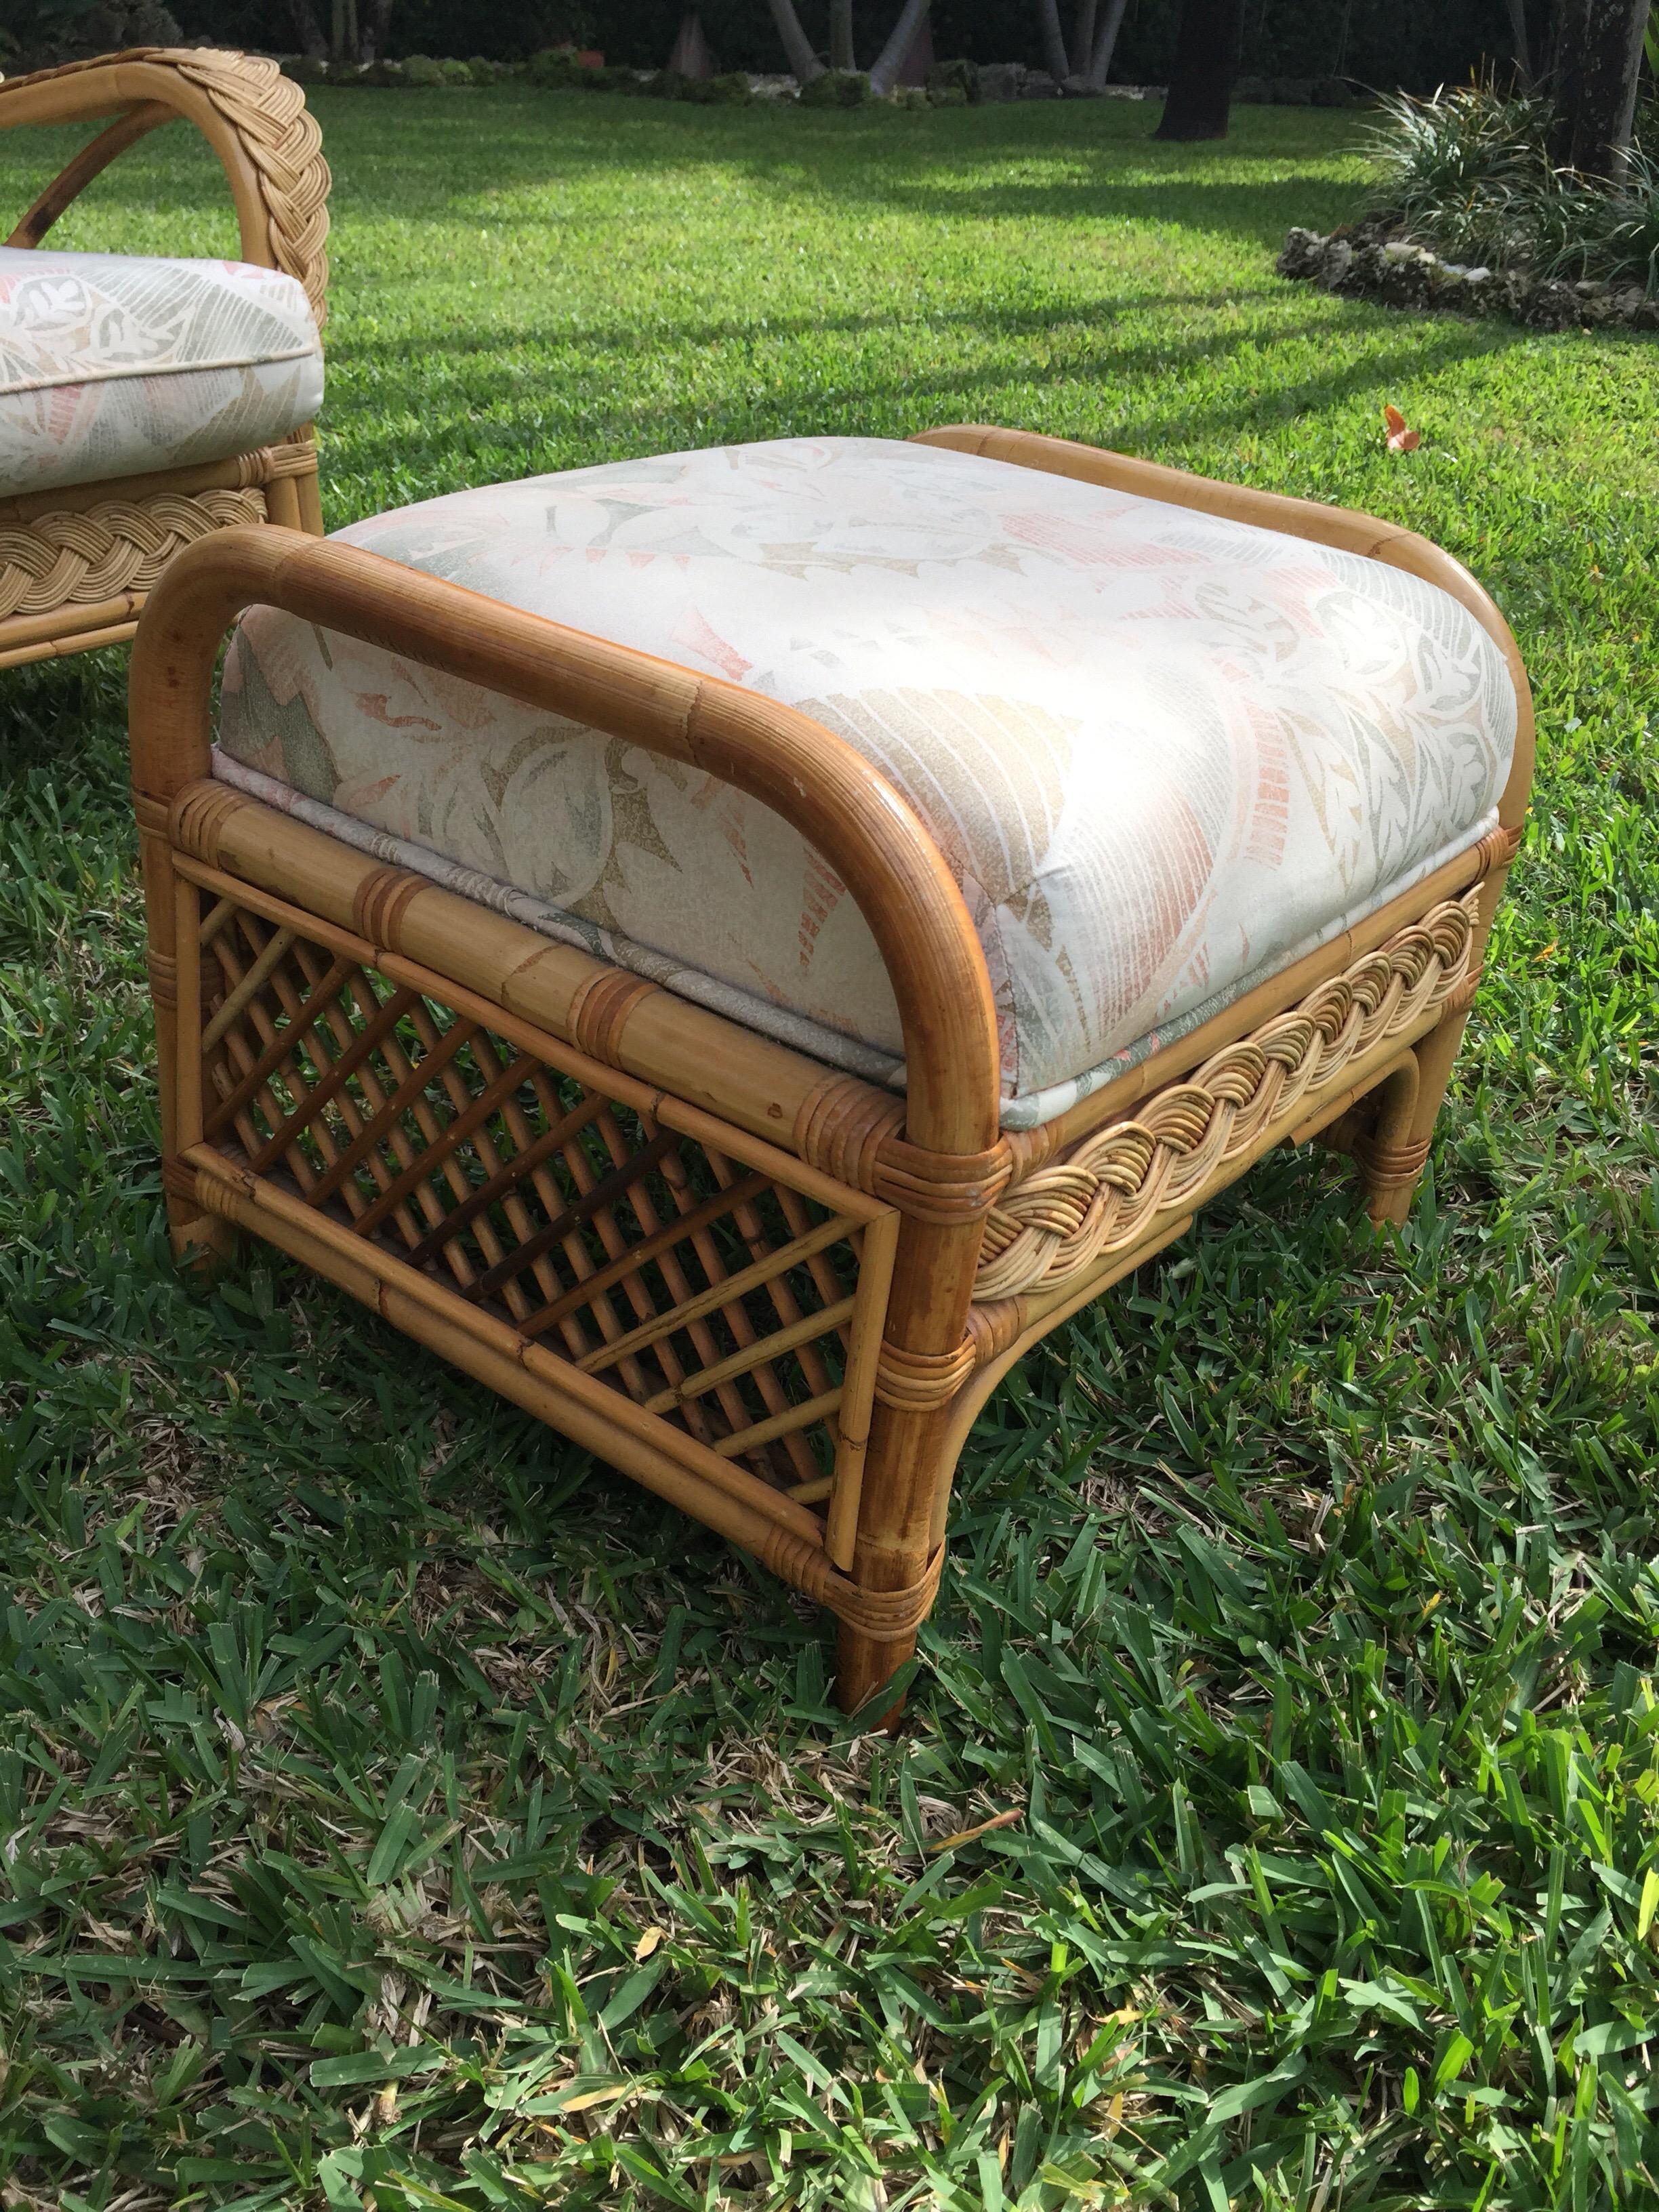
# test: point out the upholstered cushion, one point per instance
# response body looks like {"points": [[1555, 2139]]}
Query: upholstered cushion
{"points": [[112, 366], [1163, 754]]}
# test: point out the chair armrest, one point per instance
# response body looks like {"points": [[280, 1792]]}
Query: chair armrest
{"points": [[254, 118]]}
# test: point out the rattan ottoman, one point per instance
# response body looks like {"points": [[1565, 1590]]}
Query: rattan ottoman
{"points": [[732, 948]]}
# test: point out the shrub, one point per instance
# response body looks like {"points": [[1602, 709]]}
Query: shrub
{"points": [[484, 72], [961, 75], [1468, 173], [421, 70], [667, 84], [1629, 246], [1457, 166], [554, 68], [837, 88], [454, 72], [306, 68], [947, 96], [911, 97]]}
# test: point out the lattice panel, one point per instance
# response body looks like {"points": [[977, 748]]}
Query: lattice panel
{"points": [[715, 1294]]}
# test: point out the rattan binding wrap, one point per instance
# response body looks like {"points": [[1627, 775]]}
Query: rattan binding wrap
{"points": [[1063, 1220]]}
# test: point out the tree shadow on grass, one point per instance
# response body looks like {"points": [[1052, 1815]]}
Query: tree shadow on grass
{"points": [[966, 167], [889, 406]]}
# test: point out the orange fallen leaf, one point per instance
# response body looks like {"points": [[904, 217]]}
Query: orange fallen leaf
{"points": [[1400, 440], [968, 1835]]}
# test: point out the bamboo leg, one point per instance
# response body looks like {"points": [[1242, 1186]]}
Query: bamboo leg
{"points": [[1392, 1156], [199, 1240], [1393, 1153], [862, 1666], [910, 1460]]}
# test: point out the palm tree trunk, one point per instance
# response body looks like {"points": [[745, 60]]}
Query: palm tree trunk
{"points": [[1054, 40], [804, 64], [842, 55], [1518, 39], [884, 74], [1597, 75], [308, 30], [1105, 46], [1082, 36]]}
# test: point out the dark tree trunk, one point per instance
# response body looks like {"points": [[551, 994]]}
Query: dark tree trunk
{"points": [[1100, 60], [691, 57], [1082, 36], [1205, 64], [1054, 57], [308, 30], [380, 18], [841, 54], [1598, 66], [1518, 39], [804, 64], [888, 67]]}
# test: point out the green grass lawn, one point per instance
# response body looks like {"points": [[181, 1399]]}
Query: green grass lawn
{"points": [[397, 1809]]}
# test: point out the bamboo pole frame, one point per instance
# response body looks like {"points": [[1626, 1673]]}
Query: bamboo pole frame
{"points": [[77, 562], [377, 1075]]}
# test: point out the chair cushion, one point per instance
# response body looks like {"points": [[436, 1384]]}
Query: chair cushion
{"points": [[111, 367], [1163, 754]]}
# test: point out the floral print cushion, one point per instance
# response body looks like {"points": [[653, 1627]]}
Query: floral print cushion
{"points": [[1163, 754], [111, 367]]}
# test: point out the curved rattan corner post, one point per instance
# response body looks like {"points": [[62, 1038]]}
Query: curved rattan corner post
{"points": [[75, 565], [818, 783]]}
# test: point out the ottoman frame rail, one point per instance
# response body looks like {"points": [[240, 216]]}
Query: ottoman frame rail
{"points": [[771, 1293]]}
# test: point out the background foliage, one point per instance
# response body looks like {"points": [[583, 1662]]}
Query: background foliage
{"points": [[391, 1803], [1416, 44]]}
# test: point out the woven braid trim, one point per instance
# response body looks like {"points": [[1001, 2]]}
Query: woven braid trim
{"points": [[118, 545], [1062, 1219], [268, 113]]}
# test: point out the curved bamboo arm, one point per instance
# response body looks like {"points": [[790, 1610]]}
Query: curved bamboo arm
{"points": [[824, 789], [253, 117], [1342, 527]]}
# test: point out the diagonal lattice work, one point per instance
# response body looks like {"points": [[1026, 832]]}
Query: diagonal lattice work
{"points": [[712, 1290]]}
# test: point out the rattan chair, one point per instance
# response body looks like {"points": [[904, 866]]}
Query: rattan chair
{"points": [[771, 1290], [77, 557]]}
